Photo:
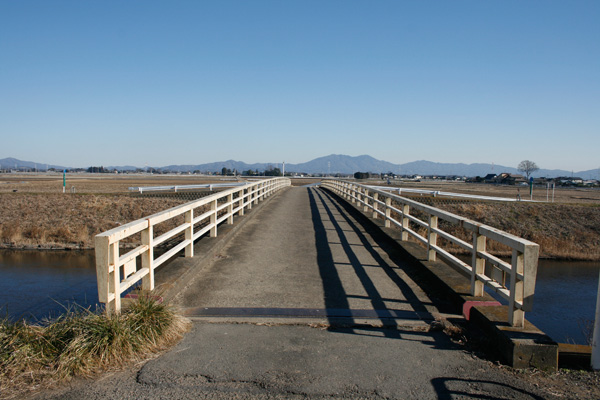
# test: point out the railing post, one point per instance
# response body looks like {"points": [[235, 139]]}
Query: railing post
{"points": [[388, 211], [242, 201], [405, 221], [114, 282], [102, 250], [148, 257], [230, 209], [432, 238], [353, 192], [213, 219], [366, 200], [530, 264], [189, 233], [477, 264], [516, 317], [250, 195], [375, 205]]}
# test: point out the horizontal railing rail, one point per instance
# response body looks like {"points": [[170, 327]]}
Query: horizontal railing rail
{"points": [[514, 281], [448, 195], [116, 272], [176, 188]]}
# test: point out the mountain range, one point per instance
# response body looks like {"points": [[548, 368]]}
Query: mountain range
{"points": [[338, 163]]}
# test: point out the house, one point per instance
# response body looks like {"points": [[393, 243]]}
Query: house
{"points": [[510, 179], [489, 178], [568, 181]]}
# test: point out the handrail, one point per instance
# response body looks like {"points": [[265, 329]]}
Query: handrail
{"points": [[449, 195], [514, 281], [116, 273]]}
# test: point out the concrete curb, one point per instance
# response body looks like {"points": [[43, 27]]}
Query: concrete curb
{"points": [[526, 347], [175, 275]]}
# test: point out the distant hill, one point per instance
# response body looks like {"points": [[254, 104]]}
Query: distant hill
{"points": [[218, 166], [339, 163], [13, 163]]}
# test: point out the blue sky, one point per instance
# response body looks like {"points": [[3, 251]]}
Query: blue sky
{"points": [[187, 82]]}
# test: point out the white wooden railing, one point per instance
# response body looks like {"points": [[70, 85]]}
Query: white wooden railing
{"points": [[514, 281], [116, 273]]}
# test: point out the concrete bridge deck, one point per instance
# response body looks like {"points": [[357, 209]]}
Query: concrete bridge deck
{"points": [[306, 259], [306, 301]]}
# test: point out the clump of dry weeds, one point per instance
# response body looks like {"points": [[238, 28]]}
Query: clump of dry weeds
{"points": [[80, 343]]}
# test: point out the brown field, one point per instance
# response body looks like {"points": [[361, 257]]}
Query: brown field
{"points": [[561, 194], [36, 214]]}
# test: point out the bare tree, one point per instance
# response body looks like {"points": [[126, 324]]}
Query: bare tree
{"points": [[527, 167]]}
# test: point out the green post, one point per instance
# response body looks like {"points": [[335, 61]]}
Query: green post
{"points": [[64, 180], [531, 187]]}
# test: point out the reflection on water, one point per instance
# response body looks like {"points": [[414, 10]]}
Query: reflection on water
{"points": [[39, 284]]}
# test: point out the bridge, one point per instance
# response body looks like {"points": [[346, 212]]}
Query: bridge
{"points": [[267, 271]]}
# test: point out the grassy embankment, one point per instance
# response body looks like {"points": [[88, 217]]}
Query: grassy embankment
{"points": [[563, 231], [30, 220], [81, 343], [70, 221]]}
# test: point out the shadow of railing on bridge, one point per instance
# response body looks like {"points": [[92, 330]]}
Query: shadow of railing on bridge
{"points": [[323, 207]]}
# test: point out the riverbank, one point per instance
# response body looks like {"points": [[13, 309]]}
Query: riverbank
{"points": [[563, 231], [59, 221]]}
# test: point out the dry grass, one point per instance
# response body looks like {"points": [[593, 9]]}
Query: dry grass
{"points": [[38, 215], [95, 183], [81, 343], [563, 231], [69, 221], [561, 194]]}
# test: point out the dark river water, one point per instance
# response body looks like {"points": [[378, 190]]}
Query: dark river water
{"points": [[39, 284]]}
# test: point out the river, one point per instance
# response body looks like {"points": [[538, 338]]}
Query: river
{"points": [[38, 284]]}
